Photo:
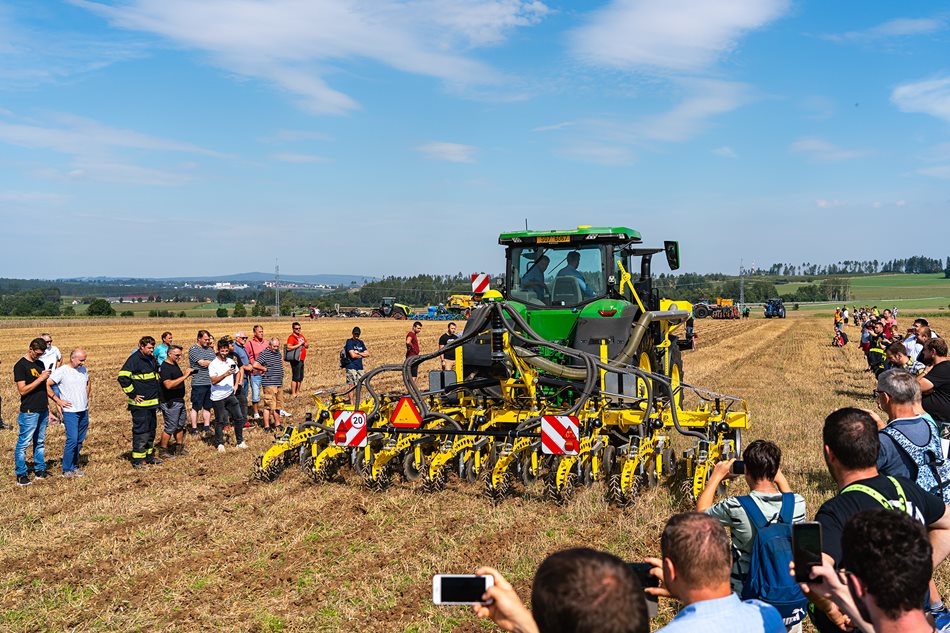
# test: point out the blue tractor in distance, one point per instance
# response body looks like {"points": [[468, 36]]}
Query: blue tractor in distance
{"points": [[775, 308]]}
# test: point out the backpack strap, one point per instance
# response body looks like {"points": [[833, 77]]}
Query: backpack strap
{"points": [[787, 513], [752, 511]]}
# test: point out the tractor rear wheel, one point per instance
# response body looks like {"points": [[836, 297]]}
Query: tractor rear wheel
{"points": [[399, 316], [700, 312], [675, 372]]}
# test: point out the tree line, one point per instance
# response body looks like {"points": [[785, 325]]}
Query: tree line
{"points": [[917, 264]]}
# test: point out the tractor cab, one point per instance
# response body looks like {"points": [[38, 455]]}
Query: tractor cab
{"points": [[565, 280]]}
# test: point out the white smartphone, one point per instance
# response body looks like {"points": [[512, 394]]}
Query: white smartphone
{"points": [[459, 588]]}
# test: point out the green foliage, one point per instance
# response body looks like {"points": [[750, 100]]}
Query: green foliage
{"points": [[100, 307], [239, 310], [226, 296], [182, 315], [69, 311], [256, 310], [221, 313], [161, 313], [126, 313], [946, 271], [33, 302], [417, 291]]}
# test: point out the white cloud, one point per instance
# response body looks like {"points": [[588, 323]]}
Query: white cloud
{"points": [[901, 203], [124, 173], [78, 135], [555, 126], [449, 152], [822, 151], [725, 151], [822, 203], [706, 98], [819, 108], [678, 35], [938, 171], [31, 197], [295, 43], [291, 157], [931, 97], [900, 27]]}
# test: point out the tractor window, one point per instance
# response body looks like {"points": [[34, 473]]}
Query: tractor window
{"points": [[563, 276]]}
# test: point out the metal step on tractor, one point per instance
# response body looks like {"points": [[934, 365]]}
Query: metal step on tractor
{"points": [[570, 376]]}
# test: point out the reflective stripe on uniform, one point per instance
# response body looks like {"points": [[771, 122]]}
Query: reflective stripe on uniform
{"points": [[138, 455], [149, 376], [144, 403], [128, 389]]}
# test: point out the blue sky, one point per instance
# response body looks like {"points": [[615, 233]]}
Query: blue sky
{"points": [[173, 137]]}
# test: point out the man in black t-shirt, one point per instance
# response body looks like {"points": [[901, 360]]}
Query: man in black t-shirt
{"points": [[851, 447], [448, 358], [173, 401], [935, 384], [30, 376]]}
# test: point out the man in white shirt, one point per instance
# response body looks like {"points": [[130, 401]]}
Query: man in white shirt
{"points": [[51, 359], [225, 373], [68, 386]]}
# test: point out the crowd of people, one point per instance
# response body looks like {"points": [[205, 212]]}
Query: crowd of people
{"points": [[883, 533], [235, 383]]}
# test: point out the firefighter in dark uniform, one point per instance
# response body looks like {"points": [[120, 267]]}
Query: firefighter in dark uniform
{"points": [[876, 355], [139, 380]]}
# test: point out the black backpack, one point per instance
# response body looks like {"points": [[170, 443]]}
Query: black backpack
{"points": [[344, 358]]}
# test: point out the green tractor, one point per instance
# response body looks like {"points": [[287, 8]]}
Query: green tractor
{"points": [[388, 308]]}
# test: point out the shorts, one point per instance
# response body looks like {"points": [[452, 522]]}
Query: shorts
{"points": [[296, 370], [175, 417], [414, 370], [273, 398], [201, 397], [352, 375], [256, 388]]}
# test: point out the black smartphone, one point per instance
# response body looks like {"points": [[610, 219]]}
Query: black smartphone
{"points": [[642, 571], [459, 588], [806, 549], [738, 467]]}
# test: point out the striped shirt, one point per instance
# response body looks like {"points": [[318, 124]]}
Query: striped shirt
{"points": [[200, 378], [274, 362]]}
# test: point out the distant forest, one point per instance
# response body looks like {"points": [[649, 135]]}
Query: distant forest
{"points": [[36, 297]]}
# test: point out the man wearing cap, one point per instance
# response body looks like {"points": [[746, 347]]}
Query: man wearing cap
{"points": [[241, 356], [354, 350]]}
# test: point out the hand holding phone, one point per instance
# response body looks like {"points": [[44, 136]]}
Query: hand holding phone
{"points": [[738, 467], [460, 588], [806, 550]]}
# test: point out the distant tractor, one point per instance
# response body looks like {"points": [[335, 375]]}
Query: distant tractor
{"points": [[721, 309], [775, 308], [390, 309]]}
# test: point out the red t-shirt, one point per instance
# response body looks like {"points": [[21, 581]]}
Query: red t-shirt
{"points": [[293, 339], [412, 348], [254, 348]]}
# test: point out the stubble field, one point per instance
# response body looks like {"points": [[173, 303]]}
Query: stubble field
{"points": [[196, 544]]}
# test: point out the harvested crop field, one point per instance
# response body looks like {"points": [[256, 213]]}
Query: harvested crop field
{"points": [[196, 544]]}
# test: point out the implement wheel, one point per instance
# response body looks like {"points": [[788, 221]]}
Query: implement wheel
{"points": [[413, 470]]}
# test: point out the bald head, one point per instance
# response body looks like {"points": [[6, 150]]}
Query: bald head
{"points": [[77, 357]]}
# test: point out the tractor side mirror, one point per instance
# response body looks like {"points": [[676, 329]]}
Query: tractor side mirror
{"points": [[672, 254]]}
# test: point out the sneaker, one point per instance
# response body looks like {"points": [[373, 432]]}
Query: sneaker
{"points": [[207, 432], [227, 429], [23, 480], [257, 416], [248, 425], [4, 426], [138, 465], [242, 445], [69, 474], [40, 474], [284, 414], [181, 451], [154, 461], [166, 454], [220, 448], [193, 431]]}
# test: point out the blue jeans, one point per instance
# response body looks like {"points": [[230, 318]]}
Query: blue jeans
{"points": [[256, 388], [32, 429], [77, 423]]}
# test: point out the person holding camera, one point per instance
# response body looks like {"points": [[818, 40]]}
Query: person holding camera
{"points": [[225, 374], [889, 562], [769, 494], [695, 569], [851, 450], [574, 591]]}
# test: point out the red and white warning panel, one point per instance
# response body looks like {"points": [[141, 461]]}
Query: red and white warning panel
{"points": [[349, 428], [480, 283], [559, 435], [406, 415]]}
